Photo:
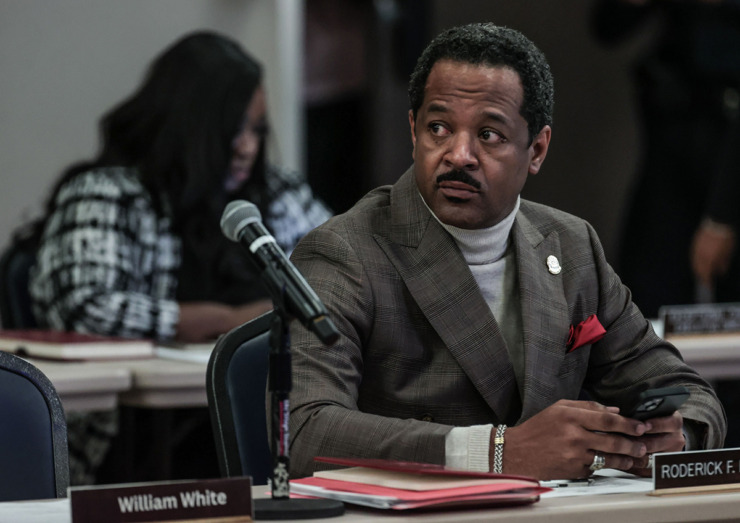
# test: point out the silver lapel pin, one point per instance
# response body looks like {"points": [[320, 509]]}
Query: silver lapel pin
{"points": [[553, 265]]}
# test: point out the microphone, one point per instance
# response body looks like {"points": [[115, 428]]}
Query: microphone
{"points": [[241, 222]]}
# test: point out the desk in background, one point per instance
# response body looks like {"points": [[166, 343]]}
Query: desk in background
{"points": [[147, 383], [151, 394], [714, 356], [86, 385], [160, 388], [165, 383], [162, 391]]}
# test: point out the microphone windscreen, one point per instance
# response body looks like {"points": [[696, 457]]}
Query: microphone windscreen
{"points": [[236, 216]]}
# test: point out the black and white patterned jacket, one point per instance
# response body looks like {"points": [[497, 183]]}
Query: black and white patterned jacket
{"points": [[108, 263]]}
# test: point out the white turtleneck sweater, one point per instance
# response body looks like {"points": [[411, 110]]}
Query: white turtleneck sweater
{"points": [[493, 265]]}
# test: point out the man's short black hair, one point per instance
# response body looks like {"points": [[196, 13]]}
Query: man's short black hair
{"points": [[496, 46]]}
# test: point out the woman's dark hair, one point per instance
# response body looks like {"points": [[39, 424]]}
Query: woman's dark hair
{"points": [[177, 132], [492, 45], [177, 128]]}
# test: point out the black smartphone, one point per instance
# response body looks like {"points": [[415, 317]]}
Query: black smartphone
{"points": [[656, 403]]}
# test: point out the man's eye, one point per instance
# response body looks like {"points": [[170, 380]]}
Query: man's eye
{"points": [[490, 136], [437, 129]]}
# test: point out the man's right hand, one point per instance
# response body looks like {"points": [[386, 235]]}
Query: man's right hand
{"points": [[561, 441]]}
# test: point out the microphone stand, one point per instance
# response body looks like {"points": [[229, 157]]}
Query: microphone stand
{"points": [[280, 505]]}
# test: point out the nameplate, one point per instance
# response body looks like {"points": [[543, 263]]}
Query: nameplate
{"points": [[690, 472], [207, 500], [700, 319]]}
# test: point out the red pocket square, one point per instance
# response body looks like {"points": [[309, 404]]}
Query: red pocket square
{"points": [[588, 331]]}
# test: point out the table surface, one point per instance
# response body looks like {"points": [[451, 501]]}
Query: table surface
{"points": [[621, 508], [86, 385], [714, 356], [149, 382], [165, 383]]}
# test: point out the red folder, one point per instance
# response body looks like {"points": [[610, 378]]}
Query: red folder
{"points": [[400, 485]]}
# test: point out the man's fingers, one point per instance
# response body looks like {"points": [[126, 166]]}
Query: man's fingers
{"points": [[593, 415], [672, 423], [607, 420], [666, 442], [594, 406], [618, 444]]}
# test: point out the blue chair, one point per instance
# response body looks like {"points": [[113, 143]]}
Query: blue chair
{"points": [[34, 461], [236, 381]]}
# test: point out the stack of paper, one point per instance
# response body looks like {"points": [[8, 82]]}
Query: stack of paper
{"points": [[72, 345], [403, 485]]}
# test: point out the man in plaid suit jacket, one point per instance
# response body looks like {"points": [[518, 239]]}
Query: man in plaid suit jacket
{"points": [[460, 305]]}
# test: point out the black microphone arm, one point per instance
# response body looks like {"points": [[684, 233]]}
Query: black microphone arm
{"points": [[241, 222]]}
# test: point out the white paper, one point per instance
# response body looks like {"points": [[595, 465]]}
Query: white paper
{"points": [[198, 353], [607, 481]]}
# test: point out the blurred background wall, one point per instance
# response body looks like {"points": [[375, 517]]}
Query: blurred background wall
{"points": [[63, 63]]}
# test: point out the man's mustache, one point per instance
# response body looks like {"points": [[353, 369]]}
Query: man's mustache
{"points": [[458, 176]]}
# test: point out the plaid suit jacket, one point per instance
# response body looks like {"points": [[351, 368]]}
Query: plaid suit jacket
{"points": [[420, 351]]}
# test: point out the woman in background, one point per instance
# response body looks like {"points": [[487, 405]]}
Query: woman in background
{"points": [[130, 244]]}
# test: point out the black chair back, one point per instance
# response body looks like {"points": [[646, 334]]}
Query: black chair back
{"points": [[15, 298], [34, 462], [236, 382]]}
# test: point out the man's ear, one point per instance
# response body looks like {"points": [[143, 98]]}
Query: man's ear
{"points": [[412, 124], [538, 149]]}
